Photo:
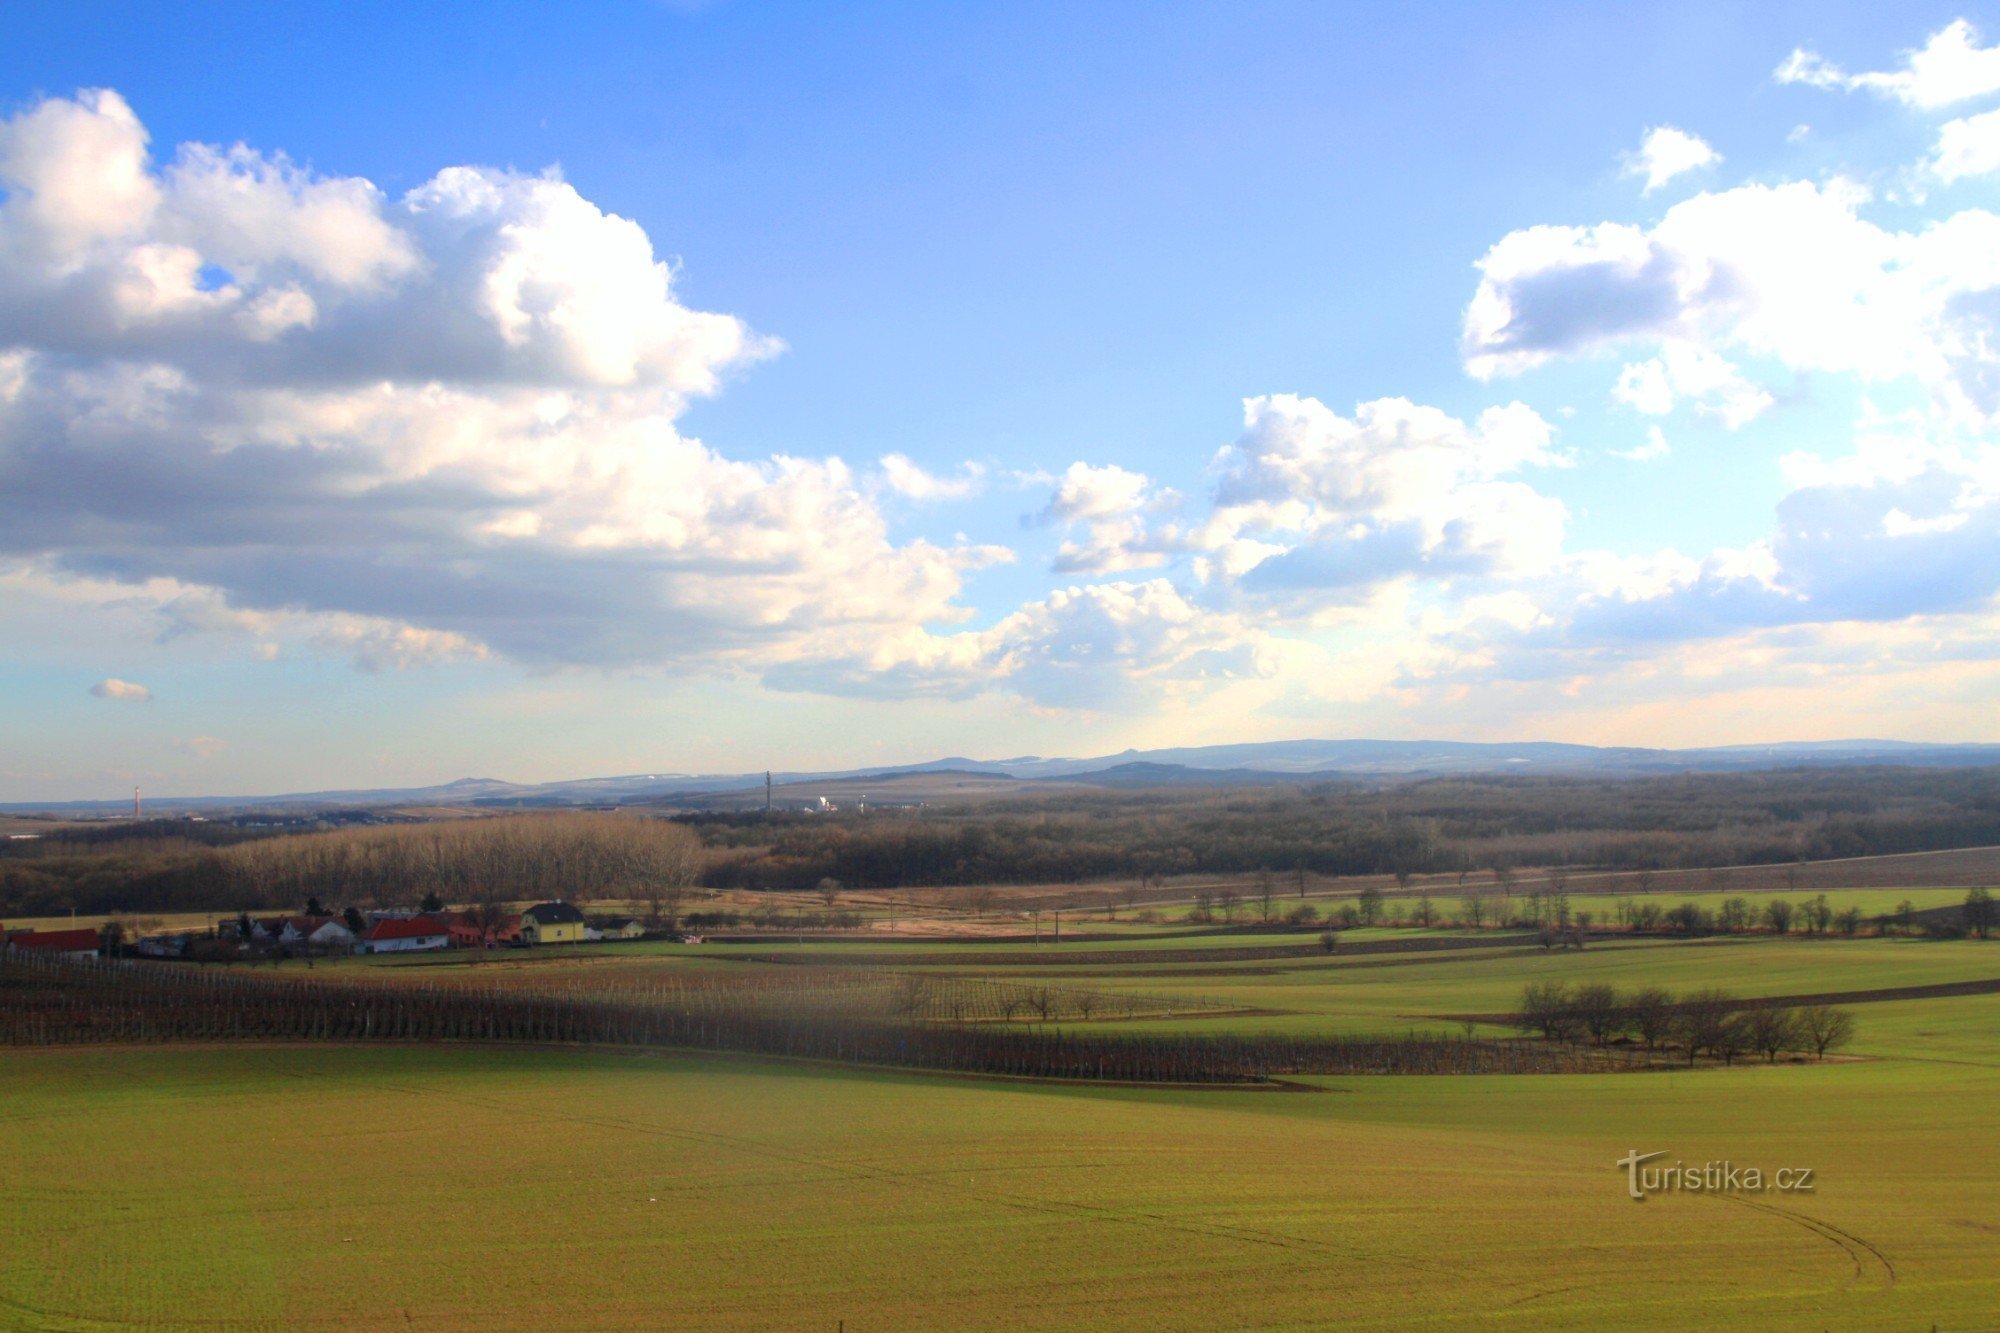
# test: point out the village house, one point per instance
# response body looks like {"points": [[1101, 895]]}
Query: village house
{"points": [[552, 923], [615, 928], [467, 933], [404, 935], [316, 932]]}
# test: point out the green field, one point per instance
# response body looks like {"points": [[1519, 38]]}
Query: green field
{"points": [[461, 1187], [469, 1185]]}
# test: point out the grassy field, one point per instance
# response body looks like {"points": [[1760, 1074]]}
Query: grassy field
{"points": [[475, 1185], [463, 1187]]}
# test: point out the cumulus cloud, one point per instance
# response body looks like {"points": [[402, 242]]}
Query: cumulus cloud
{"points": [[1312, 506], [1665, 153], [1951, 67], [1685, 372], [1968, 147], [1655, 446], [122, 690], [439, 425], [1105, 646], [906, 479], [1792, 272]]}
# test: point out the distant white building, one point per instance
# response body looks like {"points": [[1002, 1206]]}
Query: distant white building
{"points": [[317, 932]]}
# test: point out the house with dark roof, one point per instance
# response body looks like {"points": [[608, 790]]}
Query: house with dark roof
{"points": [[614, 928], [552, 923], [407, 934]]}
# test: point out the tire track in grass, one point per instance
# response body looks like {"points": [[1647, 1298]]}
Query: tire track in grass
{"points": [[1859, 1252]]}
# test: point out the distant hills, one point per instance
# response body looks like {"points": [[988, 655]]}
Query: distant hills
{"points": [[1254, 763]]}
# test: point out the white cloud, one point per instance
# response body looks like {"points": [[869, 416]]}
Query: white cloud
{"points": [[1656, 446], [122, 690], [1688, 372], [201, 747], [1086, 491], [1665, 153], [1951, 67], [906, 479], [1968, 147], [1108, 646], [1791, 272], [1314, 507], [437, 426]]}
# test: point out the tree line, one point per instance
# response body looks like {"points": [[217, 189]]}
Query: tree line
{"points": [[572, 855], [1347, 827], [1710, 1021]]}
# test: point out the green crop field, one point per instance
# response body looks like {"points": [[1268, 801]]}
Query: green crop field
{"points": [[463, 1185], [460, 1186]]}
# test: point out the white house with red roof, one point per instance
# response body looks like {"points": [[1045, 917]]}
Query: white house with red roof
{"points": [[408, 934], [61, 943]]}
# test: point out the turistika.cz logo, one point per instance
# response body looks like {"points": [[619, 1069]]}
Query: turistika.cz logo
{"points": [[1723, 1177]]}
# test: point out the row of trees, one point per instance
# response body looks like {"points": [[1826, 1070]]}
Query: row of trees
{"points": [[50, 1001], [1706, 1021]]}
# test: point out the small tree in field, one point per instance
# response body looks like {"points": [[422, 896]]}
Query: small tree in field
{"points": [[1977, 910], [1823, 1028], [1702, 1022], [1595, 1005], [1770, 1031], [1370, 904], [829, 890], [1267, 895], [1546, 1008], [1779, 913], [1473, 905], [1329, 941], [1652, 1011]]}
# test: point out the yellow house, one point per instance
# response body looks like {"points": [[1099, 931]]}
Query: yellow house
{"points": [[552, 923]]}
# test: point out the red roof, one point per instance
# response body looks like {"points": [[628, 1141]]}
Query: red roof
{"points": [[403, 928], [62, 941]]}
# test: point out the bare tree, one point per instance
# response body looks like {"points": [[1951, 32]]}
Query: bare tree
{"points": [[1778, 913], [1701, 1021], [1546, 1008], [1652, 1012], [1770, 1030], [1473, 905], [1267, 895], [1822, 1028], [1595, 1005]]}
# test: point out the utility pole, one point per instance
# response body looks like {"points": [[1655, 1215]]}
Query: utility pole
{"points": [[1058, 925], [767, 793]]}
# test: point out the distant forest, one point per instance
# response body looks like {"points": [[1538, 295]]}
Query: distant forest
{"points": [[166, 866], [1342, 827], [1440, 825]]}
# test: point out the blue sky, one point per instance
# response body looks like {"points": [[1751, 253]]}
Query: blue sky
{"points": [[367, 440]]}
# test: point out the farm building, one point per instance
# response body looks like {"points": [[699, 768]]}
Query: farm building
{"points": [[319, 932], [404, 935], [614, 928], [467, 933], [552, 923], [63, 943]]}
